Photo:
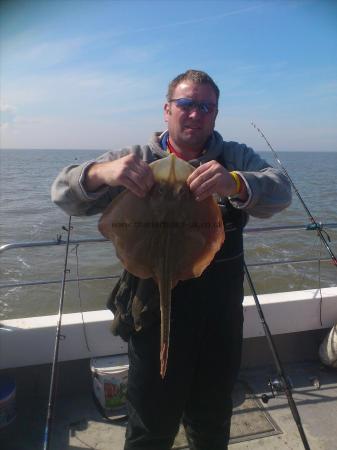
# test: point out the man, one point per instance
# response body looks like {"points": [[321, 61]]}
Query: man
{"points": [[206, 316]]}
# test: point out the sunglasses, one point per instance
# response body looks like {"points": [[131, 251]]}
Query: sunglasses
{"points": [[187, 104]]}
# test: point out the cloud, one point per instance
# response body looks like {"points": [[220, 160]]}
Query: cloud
{"points": [[325, 89], [7, 115], [84, 93], [89, 133], [165, 25], [54, 52], [45, 54]]}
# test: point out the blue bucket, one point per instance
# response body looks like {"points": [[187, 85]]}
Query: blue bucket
{"points": [[7, 401]]}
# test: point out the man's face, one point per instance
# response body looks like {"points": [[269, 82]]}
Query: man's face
{"points": [[189, 129]]}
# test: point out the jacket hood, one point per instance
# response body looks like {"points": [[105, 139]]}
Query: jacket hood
{"points": [[212, 151]]}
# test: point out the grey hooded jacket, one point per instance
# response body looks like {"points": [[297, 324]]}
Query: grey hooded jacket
{"points": [[269, 190]]}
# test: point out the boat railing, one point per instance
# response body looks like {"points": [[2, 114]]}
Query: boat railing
{"points": [[59, 242]]}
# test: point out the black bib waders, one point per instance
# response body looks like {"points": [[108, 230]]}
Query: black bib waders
{"points": [[204, 353]]}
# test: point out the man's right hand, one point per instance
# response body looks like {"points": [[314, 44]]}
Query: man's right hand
{"points": [[129, 171]]}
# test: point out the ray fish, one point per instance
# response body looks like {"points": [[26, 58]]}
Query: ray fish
{"points": [[166, 235]]}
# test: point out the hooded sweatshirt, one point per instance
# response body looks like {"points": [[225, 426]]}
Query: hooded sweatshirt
{"points": [[268, 189]]}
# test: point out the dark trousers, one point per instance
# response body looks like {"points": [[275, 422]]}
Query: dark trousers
{"points": [[203, 363]]}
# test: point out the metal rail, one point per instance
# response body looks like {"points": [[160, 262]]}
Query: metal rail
{"points": [[55, 242], [59, 241]]}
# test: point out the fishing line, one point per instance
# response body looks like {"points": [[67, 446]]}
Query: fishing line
{"points": [[53, 381], [280, 371], [84, 328], [320, 286], [314, 225]]}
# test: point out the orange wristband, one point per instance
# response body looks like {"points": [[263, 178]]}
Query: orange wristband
{"points": [[237, 180]]}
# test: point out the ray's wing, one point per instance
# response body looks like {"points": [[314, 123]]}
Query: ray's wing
{"points": [[125, 223]]}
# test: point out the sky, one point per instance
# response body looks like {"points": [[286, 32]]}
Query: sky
{"points": [[93, 74]]}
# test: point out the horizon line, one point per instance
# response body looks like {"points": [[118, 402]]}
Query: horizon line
{"points": [[115, 150]]}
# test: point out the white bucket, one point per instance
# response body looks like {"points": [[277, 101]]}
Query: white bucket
{"points": [[110, 376], [7, 401]]}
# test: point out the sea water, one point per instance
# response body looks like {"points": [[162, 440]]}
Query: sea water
{"points": [[27, 214]]}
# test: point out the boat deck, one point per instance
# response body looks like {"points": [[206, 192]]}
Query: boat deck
{"points": [[255, 425]]}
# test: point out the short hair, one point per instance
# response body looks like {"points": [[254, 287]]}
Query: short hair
{"points": [[196, 76]]}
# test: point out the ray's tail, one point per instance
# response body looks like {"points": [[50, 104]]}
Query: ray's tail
{"points": [[165, 285], [165, 314]]}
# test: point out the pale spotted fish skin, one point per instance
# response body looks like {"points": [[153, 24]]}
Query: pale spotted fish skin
{"points": [[166, 235]]}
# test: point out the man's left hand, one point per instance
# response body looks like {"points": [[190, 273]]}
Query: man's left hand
{"points": [[212, 178]]}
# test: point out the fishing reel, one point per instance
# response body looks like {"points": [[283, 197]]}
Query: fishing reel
{"points": [[277, 386]]}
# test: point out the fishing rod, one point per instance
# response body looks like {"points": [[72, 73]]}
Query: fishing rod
{"points": [[281, 374], [314, 225], [52, 388], [280, 371]]}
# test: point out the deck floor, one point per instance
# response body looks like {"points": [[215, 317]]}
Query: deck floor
{"points": [[78, 425]]}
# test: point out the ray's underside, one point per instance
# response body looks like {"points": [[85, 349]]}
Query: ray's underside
{"points": [[166, 235]]}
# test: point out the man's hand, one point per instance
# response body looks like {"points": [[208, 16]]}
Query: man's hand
{"points": [[212, 178], [129, 171]]}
